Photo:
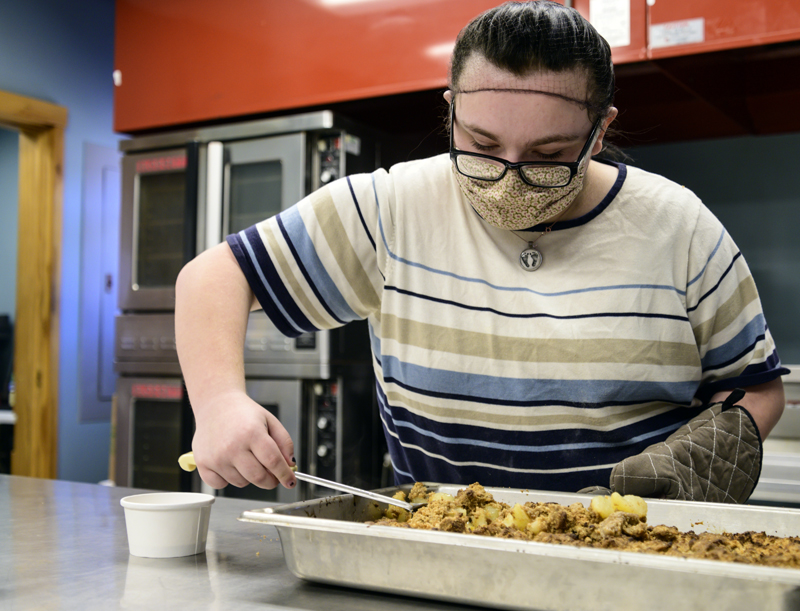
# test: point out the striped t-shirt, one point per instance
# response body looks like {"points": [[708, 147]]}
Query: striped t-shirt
{"points": [[642, 309]]}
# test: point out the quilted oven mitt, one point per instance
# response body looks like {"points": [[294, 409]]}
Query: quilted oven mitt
{"points": [[715, 457]]}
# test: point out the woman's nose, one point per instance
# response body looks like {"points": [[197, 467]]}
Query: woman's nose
{"points": [[513, 156]]}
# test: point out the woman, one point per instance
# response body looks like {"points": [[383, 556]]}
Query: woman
{"points": [[539, 319]]}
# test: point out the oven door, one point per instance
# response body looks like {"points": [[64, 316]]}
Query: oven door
{"points": [[153, 427], [176, 203], [247, 181], [157, 226]]}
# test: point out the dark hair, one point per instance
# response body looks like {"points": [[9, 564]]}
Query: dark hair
{"points": [[525, 37]]}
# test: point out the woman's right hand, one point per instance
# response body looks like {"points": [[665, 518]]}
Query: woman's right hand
{"points": [[238, 442]]}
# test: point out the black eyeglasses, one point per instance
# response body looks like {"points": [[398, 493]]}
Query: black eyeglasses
{"points": [[547, 174]]}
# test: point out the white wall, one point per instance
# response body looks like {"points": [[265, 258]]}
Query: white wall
{"points": [[62, 52]]}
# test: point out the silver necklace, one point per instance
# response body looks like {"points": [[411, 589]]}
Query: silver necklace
{"points": [[531, 258]]}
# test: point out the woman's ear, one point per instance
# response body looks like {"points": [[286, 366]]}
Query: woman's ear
{"points": [[598, 145]]}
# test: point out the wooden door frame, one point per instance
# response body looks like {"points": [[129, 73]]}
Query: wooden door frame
{"points": [[36, 327]]}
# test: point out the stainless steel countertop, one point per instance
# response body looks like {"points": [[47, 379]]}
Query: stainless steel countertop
{"points": [[63, 546]]}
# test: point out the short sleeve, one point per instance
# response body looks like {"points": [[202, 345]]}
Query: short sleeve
{"points": [[321, 263], [735, 346]]}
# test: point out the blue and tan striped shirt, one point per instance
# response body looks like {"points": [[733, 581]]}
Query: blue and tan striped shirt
{"points": [[642, 309]]}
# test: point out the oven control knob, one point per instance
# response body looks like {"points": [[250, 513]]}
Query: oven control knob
{"points": [[322, 423], [323, 450]]}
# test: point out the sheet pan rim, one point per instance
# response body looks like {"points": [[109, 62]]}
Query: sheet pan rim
{"points": [[287, 523]]}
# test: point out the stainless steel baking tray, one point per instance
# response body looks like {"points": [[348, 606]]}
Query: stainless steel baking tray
{"points": [[327, 540]]}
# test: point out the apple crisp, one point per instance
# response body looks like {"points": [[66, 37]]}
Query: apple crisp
{"points": [[610, 522]]}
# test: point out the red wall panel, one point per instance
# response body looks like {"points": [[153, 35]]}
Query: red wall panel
{"points": [[189, 61], [680, 27], [186, 61]]}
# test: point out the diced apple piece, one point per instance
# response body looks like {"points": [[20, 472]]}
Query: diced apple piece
{"points": [[630, 504], [492, 512], [536, 526], [477, 520], [602, 506], [519, 519], [393, 512], [439, 496]]}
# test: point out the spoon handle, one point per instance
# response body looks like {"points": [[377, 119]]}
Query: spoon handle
{"points": [[186, 462], [313, 479]]}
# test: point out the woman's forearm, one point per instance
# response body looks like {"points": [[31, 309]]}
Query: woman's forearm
{"points": [[212, 303], [765, 402]]}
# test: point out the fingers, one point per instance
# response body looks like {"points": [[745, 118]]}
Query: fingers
{"points": [[212, 478], [266, 462], [282, 439], [258, 452], [276, 453], [239, 469], [241, 472], [241, 444], [251, 470], [271, 468]]}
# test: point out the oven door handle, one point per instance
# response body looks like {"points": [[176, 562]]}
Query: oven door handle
{"points": [[214, 182]]}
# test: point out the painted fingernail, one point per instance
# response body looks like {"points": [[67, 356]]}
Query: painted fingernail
{"points": [[292, 484], [294, 461]]}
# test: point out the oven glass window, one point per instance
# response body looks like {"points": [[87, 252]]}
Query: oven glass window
{"points": [[157, 440], [256, 193], [160, 246]]}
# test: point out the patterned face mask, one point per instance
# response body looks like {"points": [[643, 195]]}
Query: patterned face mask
{"points": [[517, 196], [510, 203]]}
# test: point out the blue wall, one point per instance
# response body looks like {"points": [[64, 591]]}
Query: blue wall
{"points": [[63, 52], [9, 163]]}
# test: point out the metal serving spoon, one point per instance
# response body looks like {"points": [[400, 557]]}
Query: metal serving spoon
{"points": [[187, 464]]}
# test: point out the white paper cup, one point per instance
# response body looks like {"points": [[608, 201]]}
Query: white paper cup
{"points": [[167, 524]]}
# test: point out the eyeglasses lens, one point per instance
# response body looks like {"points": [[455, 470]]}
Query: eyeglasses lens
{"points": [[546, 176], [487, 169], [477, 167]]}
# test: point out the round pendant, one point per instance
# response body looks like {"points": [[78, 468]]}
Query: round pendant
{"points": [[530, 259]]}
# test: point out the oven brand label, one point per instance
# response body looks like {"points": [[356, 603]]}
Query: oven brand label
{"points": [[156, 391], [161, 164]]}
